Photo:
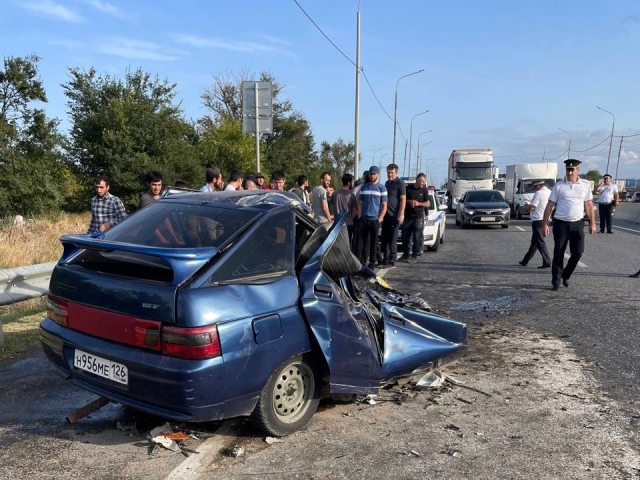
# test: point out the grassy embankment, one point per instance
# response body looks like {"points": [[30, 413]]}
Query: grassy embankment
{"points": [[37, 242]]}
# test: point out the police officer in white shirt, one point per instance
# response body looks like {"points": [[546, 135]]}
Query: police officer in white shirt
{"points": [[607, 200], [536, 212], [571, 197]]}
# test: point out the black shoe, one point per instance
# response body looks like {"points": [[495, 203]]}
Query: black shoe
{"points": [[522, 263], [601, 231], [371, 266], [556, 286], [544, 266], [391, 263], [610, 233], [383, 263], [635, 275], [413, 260], [404, 259], [565, 282]]}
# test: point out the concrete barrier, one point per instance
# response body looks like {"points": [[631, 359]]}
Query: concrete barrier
{"points": [[628, 211]]}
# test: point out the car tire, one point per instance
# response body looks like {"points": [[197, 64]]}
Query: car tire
{"points": [[289, 399], [442, 238], [457, 221], [436, 244], [505, 226], [462, 224]]}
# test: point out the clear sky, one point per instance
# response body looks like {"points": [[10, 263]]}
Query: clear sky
{"points": [[500, 74]]}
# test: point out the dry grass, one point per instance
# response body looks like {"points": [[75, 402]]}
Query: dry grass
{"points": [[20, 326], [39, 240]]}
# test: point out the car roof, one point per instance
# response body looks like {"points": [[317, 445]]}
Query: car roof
{"points": [[265, 199]]}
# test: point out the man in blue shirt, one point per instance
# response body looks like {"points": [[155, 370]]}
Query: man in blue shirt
{"points": [[372, 206]]}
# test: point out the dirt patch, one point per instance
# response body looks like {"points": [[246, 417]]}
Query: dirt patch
{"points": [[533, 411]]}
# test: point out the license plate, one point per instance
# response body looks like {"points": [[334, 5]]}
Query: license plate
{"points": [[101, 367], [487, 219]]}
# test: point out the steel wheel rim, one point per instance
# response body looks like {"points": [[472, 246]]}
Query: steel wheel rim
{"points": [[292, 392]]}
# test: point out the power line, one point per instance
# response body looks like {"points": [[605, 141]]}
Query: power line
{"points": [[374, 94], [556, 158], [591, 148], [627, 136], [324, 34]]}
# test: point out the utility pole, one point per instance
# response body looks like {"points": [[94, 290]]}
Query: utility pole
{"points": [[395, 111], [356, 136], [618, 162], [613, 126]]}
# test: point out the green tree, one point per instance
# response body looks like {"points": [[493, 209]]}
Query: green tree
{"points": [[125, 127], [33, 173], [594, 175]]}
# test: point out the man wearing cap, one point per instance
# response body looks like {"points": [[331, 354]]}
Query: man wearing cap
{"points": [[372, 206], [607, 200], [571, 197], [536, 211], [260, 182]]}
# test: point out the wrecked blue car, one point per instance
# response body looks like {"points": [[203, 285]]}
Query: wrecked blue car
{"points": [[206, 306]]}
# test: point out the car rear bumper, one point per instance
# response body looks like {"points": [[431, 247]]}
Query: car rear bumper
{"points": [[172, 388]]}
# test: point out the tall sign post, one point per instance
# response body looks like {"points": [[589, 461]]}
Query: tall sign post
{"points": [[257, 111]]}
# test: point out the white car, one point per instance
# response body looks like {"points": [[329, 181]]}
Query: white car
{"points": [[434, 226]]}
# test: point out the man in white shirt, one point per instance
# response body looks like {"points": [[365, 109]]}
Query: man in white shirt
{"points": [[607, 201], [235, 181], [571, 197], [536, 212]]}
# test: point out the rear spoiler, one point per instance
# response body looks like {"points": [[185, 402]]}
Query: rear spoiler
{"points": [[183, 261]]}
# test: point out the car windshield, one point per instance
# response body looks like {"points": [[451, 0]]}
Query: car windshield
{"points": [[474, 173], [484, 197], [527, 185], [180, 225]]}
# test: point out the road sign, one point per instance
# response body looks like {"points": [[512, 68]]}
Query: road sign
{"points": [[263, 95]]}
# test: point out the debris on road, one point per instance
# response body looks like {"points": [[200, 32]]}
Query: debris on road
{"points": [[272, 440], [237, 451]]}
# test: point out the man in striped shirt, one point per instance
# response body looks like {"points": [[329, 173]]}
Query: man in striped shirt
{"points": [[372, 206]]}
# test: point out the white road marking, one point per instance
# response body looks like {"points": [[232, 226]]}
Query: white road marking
{"points": [[624, 228], [521, 229], [580, 264]]}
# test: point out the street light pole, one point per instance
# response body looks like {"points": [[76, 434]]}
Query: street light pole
{"points": [[544, 149], [569, 152], [419, 154], [356, 136], [613, 126], [395, 111], [411, 135], [418, 150]]}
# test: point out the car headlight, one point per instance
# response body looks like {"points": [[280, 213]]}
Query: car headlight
{"points": [[468, 211], [431, 223], [506, 211]]}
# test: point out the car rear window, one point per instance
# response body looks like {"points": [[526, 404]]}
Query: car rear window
{"points": [[179, 225]]}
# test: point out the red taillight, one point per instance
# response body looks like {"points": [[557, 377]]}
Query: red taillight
{"points": [[192, 343], [57, 310]]}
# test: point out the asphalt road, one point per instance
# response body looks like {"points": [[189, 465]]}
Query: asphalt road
{"points": [[599, 314], [473, 277]]}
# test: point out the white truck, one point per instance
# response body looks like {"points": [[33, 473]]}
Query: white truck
{"points": [[519, 183], [469, 169]]}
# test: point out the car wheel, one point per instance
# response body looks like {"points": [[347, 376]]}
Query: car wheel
{"points": [[442, 238], [436, 244], [289, 399], [462, 224], [506, 225]]}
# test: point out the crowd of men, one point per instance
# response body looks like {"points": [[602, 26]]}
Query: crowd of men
{"points": [[371, 207]]}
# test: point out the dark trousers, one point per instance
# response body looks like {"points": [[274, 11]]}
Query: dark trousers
{"points": [[604, 211], [389, 238], [412, 236], [563, 233], [537, 244], [368, 233]]}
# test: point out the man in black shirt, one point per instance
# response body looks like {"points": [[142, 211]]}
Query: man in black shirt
{"points": [[396, 202], [417, 200]]}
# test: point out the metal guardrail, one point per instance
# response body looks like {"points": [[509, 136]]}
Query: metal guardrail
{"points": [[23, 283]]}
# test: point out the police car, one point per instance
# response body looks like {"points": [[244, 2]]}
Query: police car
{"points": [[435, 223]]}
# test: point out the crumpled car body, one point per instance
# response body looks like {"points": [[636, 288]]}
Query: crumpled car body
{"points": [[206, 306]]}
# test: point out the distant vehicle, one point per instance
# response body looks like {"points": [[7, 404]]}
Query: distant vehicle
{"points": [[635, 197], [482, 207], [205, 306], [469, 169], [519, 184], [442, 196]]}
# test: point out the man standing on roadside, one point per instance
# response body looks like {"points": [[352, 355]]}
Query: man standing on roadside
{"points": [[571, 197], [152, 195], [235, 181], [343, 200], [372, 206], [414, 215], [536, 212], [260, 182], [319, 200], [607, 201], [396, 202], [106, 210], [277, 181], [301, 189]]}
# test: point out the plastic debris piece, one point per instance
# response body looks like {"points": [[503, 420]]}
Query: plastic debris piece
{"points": [[161, 430], [480, 433], [433, 379], [166, 443], [272, 440], [415, 453], [451, 426], [237, 451], [370, 400], [177, 436]]}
